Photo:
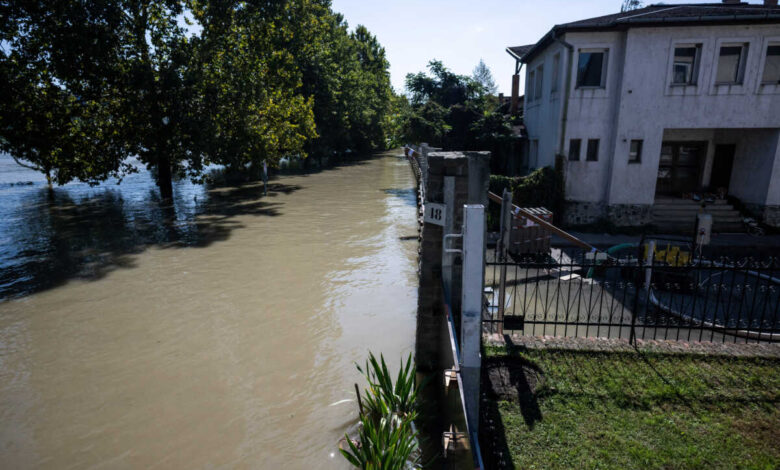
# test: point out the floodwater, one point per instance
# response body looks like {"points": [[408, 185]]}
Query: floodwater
{"points": [[221, 333]]}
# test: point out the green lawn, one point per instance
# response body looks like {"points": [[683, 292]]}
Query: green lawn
{"points": [[576, 409]]}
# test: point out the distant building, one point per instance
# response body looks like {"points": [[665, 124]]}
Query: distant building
{"points": [[650, 106]]}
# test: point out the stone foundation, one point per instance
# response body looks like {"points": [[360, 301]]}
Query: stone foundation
{"points": [[623, 215], [582, 213], [769, 214], [772, 215], [630, 215]]}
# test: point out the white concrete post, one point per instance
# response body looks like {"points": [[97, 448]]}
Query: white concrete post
{"points": [[471, 307], [448, 255]]}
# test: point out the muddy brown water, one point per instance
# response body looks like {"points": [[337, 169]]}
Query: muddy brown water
{"points": [[220, 335]]}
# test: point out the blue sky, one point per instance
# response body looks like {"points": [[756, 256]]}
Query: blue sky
{"points": [[460, 32]]}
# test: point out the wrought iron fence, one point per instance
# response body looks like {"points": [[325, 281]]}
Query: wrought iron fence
{"points": [[666, 296]]}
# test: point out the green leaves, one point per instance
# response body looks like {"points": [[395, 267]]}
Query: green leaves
{"points": [[90, 84], [387, 437]]}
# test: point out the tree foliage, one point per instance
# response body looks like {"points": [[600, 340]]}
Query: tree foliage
{"points": [[484, 77], [454, 111], [90, 84], [628, 5]]}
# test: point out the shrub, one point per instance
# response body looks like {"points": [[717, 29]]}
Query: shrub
{"points": [[541, 188], [387, 438]]}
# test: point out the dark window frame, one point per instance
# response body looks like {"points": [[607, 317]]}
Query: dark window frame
{"points": [[572, 147], [582, 73], [592, 151], [775, 47], [739, 72], [539, 88], [694, 71], [638, 157]]}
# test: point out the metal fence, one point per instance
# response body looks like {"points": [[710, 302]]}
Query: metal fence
{"points": [[634, 296]]}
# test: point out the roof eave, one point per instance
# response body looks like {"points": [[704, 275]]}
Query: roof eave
{"points": [[511, 52], [627, 23]]}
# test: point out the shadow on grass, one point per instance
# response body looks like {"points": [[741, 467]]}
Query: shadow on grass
{"points": [[631, 396]]}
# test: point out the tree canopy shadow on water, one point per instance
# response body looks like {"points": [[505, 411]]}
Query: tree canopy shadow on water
{"points": [[55, 236]]}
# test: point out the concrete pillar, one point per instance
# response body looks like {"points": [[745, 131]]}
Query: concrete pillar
{"points": [[470, 172], [471, 317]]}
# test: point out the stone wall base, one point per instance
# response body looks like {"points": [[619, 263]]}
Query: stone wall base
{"points": [[769, 214], [582, 213], [623, 215], [630, 215]]}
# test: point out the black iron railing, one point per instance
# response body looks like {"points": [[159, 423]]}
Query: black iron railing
{"points": [[664, 296]]}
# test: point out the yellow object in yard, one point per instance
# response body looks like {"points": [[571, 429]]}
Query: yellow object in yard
{"points": [[672, 255]]}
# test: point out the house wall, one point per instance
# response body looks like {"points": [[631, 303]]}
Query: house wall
{"points": [[638, 102], [649, 104], [542, 117]]}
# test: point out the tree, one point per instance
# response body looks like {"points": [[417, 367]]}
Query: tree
{"points": [[248, 86], [484, 77], [629, 5], [93, 83], [60, 113], [442, 86]]}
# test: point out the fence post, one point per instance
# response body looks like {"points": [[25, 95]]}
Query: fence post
{"points": [[471, 307], [503, 248], [447, 256]]}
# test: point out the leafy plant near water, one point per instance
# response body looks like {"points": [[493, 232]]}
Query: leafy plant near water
{"points": [[399, 397], [388, 443], [387, 438]]}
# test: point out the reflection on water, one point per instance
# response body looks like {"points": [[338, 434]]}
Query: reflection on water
{"points": [[213, 332], [78, 231]]}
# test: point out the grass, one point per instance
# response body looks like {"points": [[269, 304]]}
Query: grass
{"points": [[634, 410]]}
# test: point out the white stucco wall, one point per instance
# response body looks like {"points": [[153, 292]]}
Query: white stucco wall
{"points": [[542, 116], [639, 103], [649, 105], [753, 173]]}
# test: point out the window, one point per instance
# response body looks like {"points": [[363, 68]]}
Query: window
{"points": [[530, 85], [539, 82], [731, 61], [556, 65], [685, 66], [772, 65], [591, 68], [635, 152], [593, 150], [534, 153], [574, 149]]}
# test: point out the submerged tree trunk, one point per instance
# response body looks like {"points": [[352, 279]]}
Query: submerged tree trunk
{"points": [[164, 178]]}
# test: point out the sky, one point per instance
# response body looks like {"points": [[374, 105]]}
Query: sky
{"points": [[460, 32]]}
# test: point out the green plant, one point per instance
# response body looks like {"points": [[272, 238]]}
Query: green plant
{"points": [[389, 443], [387, 438], [400, 396]]}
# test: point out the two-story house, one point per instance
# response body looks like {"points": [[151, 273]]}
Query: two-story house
{"points": [[659, 104]]}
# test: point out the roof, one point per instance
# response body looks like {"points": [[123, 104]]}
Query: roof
{"points": [[659, 15], [519, 51]]}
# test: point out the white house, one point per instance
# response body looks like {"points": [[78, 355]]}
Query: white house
{"points": [[657, 103]]}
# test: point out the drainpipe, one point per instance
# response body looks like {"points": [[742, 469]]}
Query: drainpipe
{"points": [[566, 91]]}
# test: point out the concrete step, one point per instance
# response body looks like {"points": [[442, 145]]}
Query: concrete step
{"points": [[714, 214], [692, 215], [684, 202], [675, 207], [688, 229]]}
